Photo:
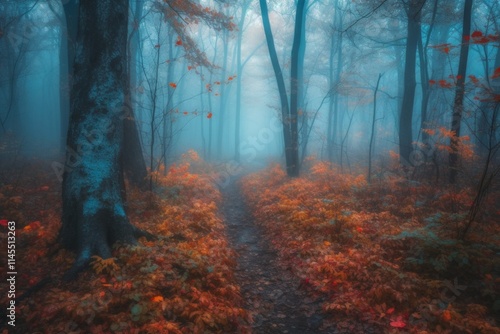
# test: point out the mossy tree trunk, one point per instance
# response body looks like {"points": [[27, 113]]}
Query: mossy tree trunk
{"points": [[93, 189]]}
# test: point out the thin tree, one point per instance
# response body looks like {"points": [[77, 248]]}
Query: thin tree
{"points": [[458, 104], [413, 12], [372, 136]]}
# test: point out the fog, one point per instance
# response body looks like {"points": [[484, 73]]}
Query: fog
{"points": [[184, 83]]}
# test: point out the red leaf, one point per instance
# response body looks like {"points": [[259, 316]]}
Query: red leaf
{"points": [[477, 34], [496, 73], [446, 49], [209, 115], [190, 68], [390, 311], [185, 113], [35, 225], [178, 42], [473, 79], [4, 222], [432, 82], [173, 85], [399, 323], [444, 84]]}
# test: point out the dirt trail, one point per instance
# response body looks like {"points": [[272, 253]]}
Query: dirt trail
{"points": [[270, 291]]}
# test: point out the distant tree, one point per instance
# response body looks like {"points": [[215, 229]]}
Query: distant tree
{"points": [[239, 71], [296, 85], [290, 132], [458, 104], [134, 164], [413, 12], [15, 43]]}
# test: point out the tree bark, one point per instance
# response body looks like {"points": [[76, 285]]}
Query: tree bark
{"points": [[406, 116], [93, 189], [458, 104]]}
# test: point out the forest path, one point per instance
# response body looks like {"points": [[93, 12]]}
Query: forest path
{"points": [[270, 291]]}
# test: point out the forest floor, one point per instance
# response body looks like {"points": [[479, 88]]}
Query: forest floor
{"points": [[323, 253]]}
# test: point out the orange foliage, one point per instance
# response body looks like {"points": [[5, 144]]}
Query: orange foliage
{"points": [[183, 282], [345, 241]]}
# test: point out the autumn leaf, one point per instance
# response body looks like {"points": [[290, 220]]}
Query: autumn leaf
{"points": [[190, 68], [398, 323], [390, 310], [432, 82], [4, 222], [185, 113], [477, 34], [157, 299], [173, 85], [496, 73], [444, 84], [473, 79], [178, 42], [446, 316], [209, 115]]}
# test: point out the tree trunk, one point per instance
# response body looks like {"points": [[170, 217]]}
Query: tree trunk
{"points": [[93, 189], [295, 88], [372, 136], [285, 109], [239, 68], [223, 95], [458, 105], [406, 116], [133, 161], [66, 61], [424, 77]]}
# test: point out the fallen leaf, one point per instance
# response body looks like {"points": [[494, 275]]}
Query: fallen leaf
{"points": [[399, 323]]}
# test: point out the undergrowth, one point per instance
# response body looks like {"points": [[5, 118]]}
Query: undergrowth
{"points": [[385, 253], [180, 283]]}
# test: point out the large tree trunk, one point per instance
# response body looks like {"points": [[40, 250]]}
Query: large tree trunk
{"points": [[458, 105], [93, 189], [406, 116]]}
